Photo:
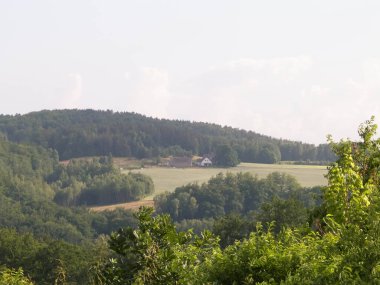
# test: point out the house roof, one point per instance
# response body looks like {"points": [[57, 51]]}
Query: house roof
{"points": [[203, 158], [176, 159]]}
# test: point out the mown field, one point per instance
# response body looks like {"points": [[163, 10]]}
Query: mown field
{"points": [[167, 179], [128, 206]]}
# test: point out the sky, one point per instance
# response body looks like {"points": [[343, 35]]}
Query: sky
{"points": [[291, 69]]}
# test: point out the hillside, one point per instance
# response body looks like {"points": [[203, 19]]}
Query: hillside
{"points": [[254, 225], [41, 196], [78, 133]]}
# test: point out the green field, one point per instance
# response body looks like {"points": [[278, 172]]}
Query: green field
{"points": [[167, 179]]}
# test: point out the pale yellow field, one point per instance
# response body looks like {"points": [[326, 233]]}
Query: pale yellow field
{"points": [[126, 206], [167, 179]]}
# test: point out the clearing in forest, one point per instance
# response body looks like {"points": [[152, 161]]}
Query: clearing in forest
{"points": [[167, 179]]}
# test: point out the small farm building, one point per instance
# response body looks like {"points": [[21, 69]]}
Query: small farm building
{"points": [[181, 162]]}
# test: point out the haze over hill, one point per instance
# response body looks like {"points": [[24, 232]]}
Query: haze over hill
{"points": [[76, 133]]}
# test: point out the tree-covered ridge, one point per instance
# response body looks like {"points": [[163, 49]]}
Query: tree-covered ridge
{"points": [[342, 246], [78, 133]]}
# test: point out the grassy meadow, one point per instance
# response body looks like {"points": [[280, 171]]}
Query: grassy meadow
{"points": [[167, 179]]}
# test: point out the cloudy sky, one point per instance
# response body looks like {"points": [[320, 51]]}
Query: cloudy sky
{"points": [[289, 69]]}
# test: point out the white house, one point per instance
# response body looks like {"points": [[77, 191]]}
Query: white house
{"points": [[204, 162]]}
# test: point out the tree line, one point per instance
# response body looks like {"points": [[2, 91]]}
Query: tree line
{"points": [[78, 133], [240, 193], [230, 205]]}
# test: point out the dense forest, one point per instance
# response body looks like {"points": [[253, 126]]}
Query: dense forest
{"points": [[230, 205], [97, 182], [46, 231], [41, 230], [234, 229], [33, 185], [241, 193], [78, 133]]}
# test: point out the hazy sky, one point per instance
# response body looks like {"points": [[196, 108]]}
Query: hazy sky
{"points": [[289, 69]]}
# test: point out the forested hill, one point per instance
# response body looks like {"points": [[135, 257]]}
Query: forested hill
{"points": [[77, 133], [39, 195]]}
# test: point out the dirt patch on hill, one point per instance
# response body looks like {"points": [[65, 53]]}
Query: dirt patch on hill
{"points": [[127, 206]]}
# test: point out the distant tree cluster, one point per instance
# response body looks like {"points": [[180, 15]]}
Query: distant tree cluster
{"points": [[97, 182], [239, 193], [226, 156], [78, 133]]}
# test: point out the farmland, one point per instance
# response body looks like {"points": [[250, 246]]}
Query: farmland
{"points": [[127, 206], [167, 179]]}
